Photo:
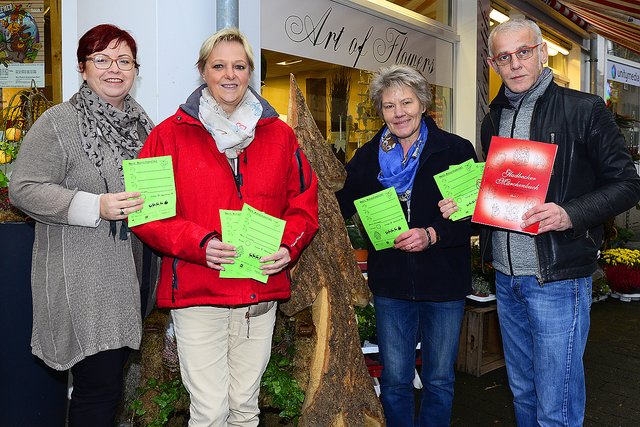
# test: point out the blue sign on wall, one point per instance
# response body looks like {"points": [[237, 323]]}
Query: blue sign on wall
{"points": [[623, 73]]}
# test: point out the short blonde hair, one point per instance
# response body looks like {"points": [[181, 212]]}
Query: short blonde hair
{"points": [[224, 35]]}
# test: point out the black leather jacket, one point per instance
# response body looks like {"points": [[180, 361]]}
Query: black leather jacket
{"points": [[593, 178]]}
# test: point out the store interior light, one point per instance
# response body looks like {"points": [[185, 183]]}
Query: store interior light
{"points": [[553, 47], [285, 63], [497, 16]]}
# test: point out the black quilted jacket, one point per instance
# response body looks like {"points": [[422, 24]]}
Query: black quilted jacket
{"points": [[593, 177]]}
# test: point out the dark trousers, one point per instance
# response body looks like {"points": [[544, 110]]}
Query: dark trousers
{"points": [[97, 388]]}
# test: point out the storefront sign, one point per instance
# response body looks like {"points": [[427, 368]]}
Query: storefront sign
{"points": [[623, 73], [21, 43], [327, 31]]}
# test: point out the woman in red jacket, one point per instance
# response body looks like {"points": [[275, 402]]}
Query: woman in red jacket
{"points": [[228, 148]]}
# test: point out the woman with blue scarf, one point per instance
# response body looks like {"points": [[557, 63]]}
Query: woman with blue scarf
{"points": [[420, 284]]}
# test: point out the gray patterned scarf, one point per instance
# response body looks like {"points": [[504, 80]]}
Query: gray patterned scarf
{"points": [[102, 124]]}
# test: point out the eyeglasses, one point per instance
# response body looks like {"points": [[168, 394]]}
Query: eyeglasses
{"points": [[103, 62], [522, 54]]}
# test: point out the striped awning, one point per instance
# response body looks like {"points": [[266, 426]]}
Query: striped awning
{"points": [[617, 20]]}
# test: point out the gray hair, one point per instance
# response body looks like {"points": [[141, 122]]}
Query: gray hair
{"points": [[224, 35], [515, 24], [399, 76]]}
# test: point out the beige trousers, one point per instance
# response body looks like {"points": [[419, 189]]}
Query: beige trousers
{"points": [[220, 366]]}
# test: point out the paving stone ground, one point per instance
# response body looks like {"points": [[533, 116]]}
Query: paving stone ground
{"points": [[612, 366]]}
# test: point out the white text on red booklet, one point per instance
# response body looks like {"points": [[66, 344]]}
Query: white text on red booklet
{"points": [[516, 178]]}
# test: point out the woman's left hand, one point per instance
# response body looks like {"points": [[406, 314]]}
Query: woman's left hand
{"points": [[413, 240], [281, 261], [117, 206]]}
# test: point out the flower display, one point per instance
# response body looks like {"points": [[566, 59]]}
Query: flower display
{"points": [[21, 111], [621, 256], [622, 268]]}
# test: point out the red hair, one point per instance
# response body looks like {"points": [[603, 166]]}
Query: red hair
{"points": [[99, 37]]}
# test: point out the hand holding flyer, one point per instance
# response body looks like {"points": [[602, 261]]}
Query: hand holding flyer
{"points": [[255, 234], [153, 178], [382, 217], [461, 183]]}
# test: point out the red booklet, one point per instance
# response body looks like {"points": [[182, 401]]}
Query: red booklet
{"points": [[516, 178]]}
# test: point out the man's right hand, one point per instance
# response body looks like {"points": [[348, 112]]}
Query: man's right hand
{"points": [[447, 207]]}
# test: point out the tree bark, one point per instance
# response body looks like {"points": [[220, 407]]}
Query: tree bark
{"points": [[338, 388]]}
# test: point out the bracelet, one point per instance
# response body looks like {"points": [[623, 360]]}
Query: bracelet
{"points": [[429, 241]]}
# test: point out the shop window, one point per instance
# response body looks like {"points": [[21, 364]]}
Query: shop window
{"points": [[615, 49], [30, 74], [438, 10], [624, 100], [30, 48], [338, 99]]}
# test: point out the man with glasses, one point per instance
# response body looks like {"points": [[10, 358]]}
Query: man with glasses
{"points": [[543, 282]]}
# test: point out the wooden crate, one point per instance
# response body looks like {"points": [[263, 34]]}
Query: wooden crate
{"points": [[480, 341]]}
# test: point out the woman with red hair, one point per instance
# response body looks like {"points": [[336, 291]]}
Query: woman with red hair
{"points": [[86, 263]]}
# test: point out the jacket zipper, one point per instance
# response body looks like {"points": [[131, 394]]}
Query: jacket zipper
{"points": [[411, 258], [303, 185], [237, 176], [174, 280]]}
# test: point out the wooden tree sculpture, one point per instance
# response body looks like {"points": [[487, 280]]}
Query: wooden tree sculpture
{"points": [[338, 388]]}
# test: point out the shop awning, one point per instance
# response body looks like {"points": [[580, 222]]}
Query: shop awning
{"points": [[618, 20]]}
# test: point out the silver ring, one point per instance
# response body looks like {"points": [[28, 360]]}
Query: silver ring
{"points": [[121, 212]]}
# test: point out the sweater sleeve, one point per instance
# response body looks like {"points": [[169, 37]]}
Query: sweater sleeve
{"points": [[36, 185]]}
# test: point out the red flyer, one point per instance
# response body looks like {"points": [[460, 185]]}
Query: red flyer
{"points": [[516, 178]]}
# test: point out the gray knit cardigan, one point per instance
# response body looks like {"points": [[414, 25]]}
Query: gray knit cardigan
{"points": [[86, 296]]}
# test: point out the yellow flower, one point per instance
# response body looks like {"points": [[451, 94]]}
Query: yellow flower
{"points": [[621, 256], [5, 158]]}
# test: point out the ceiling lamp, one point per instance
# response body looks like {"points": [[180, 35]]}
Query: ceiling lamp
{"points": [[287, 63], [497, 16], [554, 48]]}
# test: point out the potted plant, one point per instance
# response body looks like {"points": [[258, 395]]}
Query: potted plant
{"points": [[483, 282], [358, 241], [22, 110], [622, 269], [366, 318]]}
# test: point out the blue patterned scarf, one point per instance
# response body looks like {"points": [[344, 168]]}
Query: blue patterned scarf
{"points": [[396, 170]]}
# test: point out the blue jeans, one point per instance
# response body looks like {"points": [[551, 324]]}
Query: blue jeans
{"points": [[544, 334], [399, 325]]}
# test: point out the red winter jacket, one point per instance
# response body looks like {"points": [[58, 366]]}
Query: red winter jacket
{"points": [[276, 178]]}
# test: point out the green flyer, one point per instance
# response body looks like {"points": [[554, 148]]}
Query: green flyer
{"points": [[255, 234], [153, 179], [382, 217], [231, 228], [461, 183]]}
